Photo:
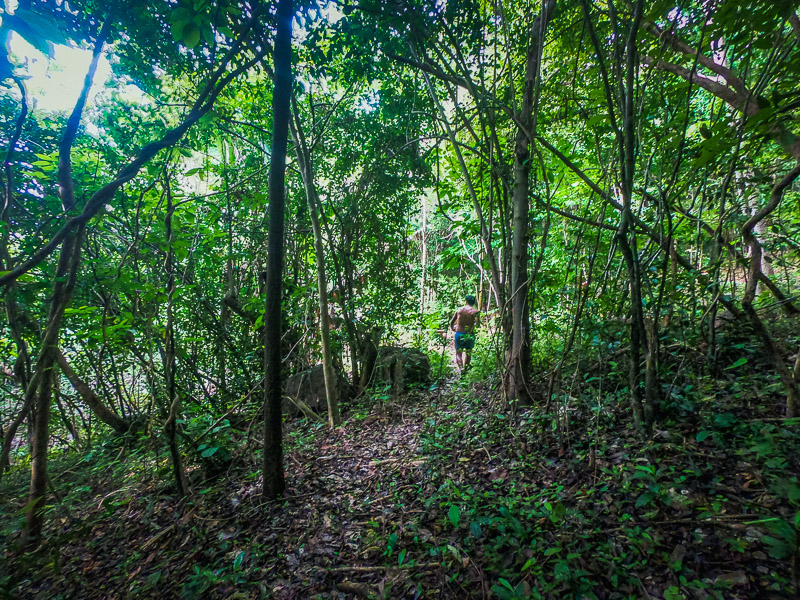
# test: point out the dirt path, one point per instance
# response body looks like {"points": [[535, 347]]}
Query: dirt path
{"points": [[355, 494], [439, 495], [346, 527]]}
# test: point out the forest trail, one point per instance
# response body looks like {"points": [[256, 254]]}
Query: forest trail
{"points": [[439, 494], [229, 192], [356, 520]]}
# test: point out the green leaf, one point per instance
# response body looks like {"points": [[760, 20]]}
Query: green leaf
{"points": [[30, 34], [475, 529], [237, 562], [209, 451], [645, 499], [401, 557], [673, 593], [794, 492], [454, 514], [6, 68], [702, 435], [180, 16], [38, 30], [191, 35], [738, 363]]}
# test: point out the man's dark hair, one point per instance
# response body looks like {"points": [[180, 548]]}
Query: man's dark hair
{"points": [[470, 300]]}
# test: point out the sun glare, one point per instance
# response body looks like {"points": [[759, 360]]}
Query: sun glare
{"points": [[54, 84]]}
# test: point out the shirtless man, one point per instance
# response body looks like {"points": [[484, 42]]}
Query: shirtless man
{"points": [[464, 323]]}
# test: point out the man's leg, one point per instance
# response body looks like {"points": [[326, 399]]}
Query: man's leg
{"points": [[469, 344], [459, 360]]}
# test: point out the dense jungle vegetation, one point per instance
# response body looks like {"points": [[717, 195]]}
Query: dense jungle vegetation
{"points": [[228, 271]]}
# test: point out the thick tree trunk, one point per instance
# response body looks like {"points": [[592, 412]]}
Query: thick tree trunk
{"points": [[274, 481]]}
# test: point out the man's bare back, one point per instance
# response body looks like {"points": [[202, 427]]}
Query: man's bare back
{"points": [[465, 319]]}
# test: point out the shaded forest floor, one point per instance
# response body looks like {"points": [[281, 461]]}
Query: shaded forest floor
{"points": [[441, 495]]}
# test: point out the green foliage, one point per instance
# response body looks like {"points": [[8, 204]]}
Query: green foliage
{"points": [[707, 149]]}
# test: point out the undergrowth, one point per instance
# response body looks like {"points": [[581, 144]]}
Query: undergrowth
{"points": [[446, 493]]}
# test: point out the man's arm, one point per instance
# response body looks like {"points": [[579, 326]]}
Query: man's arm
{"points": [[453, 320]]}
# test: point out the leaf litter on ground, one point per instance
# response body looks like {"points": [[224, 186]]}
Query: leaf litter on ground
{"points": [[442, 494]]}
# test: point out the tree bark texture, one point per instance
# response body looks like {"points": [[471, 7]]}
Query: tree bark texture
{"points": [[274, 481]]}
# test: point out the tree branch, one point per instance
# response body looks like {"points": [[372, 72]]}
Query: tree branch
{"points": [[66, 186], [201, 106], [674, 42], [103, 412], [735, 99], [23, 114], [794, 21]]}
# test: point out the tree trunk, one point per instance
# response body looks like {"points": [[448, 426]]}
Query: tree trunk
{"points": [[173, 396], [424, 269], [274, 482], [787, 376], [99, 408], [519, 356], [626, 234], [312, 198], [40, 389]]}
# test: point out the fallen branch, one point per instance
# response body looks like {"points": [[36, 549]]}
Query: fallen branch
{"points": [[405, 567]]}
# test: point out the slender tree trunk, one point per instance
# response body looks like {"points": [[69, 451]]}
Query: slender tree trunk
{"points": [[626, 235], [312, 198], [230, 278], [22, 366], [485, 233], [519, 352], [39, 392], [353, 338], [65, 418], [170, 364], [274, 481], [424, 269], [99, 408], [787, 376]]}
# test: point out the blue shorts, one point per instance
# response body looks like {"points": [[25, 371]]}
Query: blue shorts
{"points": [[465, 341]]}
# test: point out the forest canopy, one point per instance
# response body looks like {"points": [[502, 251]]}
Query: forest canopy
{"points": [[395, 299]]}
